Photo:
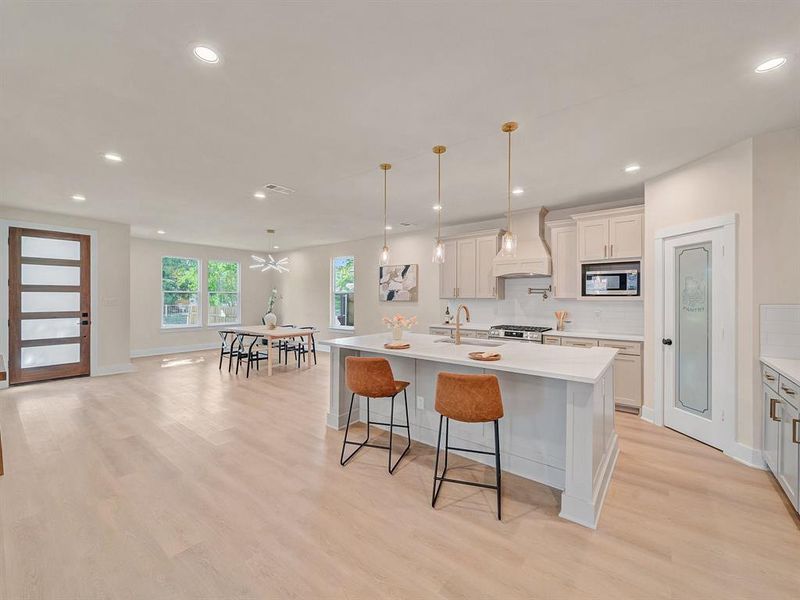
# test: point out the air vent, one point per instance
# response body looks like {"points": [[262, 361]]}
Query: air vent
{"points": [[280, 189]]}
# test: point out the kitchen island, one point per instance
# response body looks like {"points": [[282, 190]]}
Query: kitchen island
{"points": [[558, 427]]}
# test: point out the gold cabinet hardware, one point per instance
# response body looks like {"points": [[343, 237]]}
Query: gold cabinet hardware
{"points": [[772, 403], [794, 431], [769, 377], [611, 252], [605, 250], [787, 390]]}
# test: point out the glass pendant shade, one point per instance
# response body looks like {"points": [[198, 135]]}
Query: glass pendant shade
{"points": [[384, 256], [438, 252], [508, 244]]}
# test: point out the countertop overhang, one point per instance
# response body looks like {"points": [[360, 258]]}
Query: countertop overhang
{"points": [[583, 365]]}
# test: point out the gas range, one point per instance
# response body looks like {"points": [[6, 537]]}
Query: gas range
{"points": [[523, 333]]}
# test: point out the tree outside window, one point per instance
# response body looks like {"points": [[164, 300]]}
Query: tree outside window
{"points": [[223, 293], [343, 293], [180, 292]]}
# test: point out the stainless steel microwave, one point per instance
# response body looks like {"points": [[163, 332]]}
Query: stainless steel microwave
{"points": [[611, 279]]}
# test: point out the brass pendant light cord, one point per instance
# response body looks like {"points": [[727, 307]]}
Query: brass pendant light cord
{"points": [[385, 205], [509, 181], [439, 200]]}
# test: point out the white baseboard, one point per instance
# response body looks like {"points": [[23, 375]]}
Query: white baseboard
{"points": [[746, 455], [647, 414], [173, 349], [113, 369]]}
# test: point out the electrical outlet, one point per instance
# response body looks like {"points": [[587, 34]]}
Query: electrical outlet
{"points": [[420, 403]]}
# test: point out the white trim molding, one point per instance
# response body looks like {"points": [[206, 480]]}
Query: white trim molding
{"points": [[746, 455], [647, 414], [104, 370], [702, 225], [174, 349]]}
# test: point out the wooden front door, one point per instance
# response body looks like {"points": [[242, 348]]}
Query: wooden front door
{"points": [[49, 300]]}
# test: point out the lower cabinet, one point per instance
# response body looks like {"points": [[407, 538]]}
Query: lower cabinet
{"points": [[781, 444], [627, 367]]}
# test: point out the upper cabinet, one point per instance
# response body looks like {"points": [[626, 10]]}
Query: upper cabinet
{"points": [[610, 235], [467, 268], [563, 239]]}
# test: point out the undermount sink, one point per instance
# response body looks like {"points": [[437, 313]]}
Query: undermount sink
{"points": [[470, 342]]}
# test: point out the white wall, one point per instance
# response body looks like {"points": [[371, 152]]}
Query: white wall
{"points": [[111, 263], [146, 334], [718, 184]]}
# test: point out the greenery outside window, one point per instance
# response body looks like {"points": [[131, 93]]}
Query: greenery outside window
{"points": [[223, 293], [180, 292], [343, 288]]}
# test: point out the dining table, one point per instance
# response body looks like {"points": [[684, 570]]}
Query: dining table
{"points": [[272, 335]]}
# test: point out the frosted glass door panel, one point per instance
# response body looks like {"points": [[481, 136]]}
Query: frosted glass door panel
{"points": [[50, 275], [50, 301], [44, 356], [693, 320], [40, 247], [41, 329]]}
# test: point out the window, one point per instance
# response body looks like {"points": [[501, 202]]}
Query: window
{"points": [[180, 292], [223, 292], [343, 287]]}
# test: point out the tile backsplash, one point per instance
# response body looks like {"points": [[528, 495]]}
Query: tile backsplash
{"points": [[519, 308], [780, 330]]}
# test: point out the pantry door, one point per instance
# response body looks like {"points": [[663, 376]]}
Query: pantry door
{"points": [[49, 300], [698, 336]]}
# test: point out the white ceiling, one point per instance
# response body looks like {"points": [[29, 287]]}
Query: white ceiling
{"points": [[315, 96]]}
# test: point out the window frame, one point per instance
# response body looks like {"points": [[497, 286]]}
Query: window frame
{"points": [[199, 293], [238, 293], [332, 324]]}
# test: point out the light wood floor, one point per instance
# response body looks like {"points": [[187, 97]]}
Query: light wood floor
{"points": [[180, 481]]}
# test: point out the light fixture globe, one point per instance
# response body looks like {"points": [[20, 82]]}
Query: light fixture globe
{"points": [[384, 257], [508, 244], [438, 249], [438, 252]]}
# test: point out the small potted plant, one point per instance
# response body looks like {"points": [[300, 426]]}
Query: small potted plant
{"points": [[397, 324], [271, 319]]}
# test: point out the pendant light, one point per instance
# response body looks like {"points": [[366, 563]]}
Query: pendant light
{"points": [[384, 260], [438, 249], [269, 263], [508, 243]]}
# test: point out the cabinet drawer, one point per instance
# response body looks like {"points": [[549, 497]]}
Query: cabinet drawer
{"points": [[632, 348], [579, 342], [440, 331], [552, 340], [769, 377], [790, 391], [482, 335]]}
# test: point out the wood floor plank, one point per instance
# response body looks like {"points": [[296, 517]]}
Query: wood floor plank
{"points": [[183, 481]]}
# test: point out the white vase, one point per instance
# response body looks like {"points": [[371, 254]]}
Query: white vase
{"points": [[397, 333], [271, 320]]}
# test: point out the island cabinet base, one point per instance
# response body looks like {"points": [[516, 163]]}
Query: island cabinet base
{"points": [[557, 432]]}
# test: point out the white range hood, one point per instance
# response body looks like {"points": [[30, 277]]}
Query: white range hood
{"points": [[533, 255]]}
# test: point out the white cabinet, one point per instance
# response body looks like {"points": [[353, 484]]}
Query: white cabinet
{"points": [[578, 342], [564, 251], [593, 239], [447, 271], [625, 236], [787, 473], [628, 380], [466, 273], [467, 268], [486, 283], [781, 432], [607, 235]]}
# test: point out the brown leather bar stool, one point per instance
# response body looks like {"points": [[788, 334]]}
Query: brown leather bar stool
{"points": [[373, 378], [468, 399]]}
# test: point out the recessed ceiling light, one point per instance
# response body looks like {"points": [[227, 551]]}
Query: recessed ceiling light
{"points": [[517, 191], [260, 195], [79, 197], [161, 232], [112, 157], [771, 64], [275, 247], [437, 207], [632, 168], [206, 54], [388, 228]]}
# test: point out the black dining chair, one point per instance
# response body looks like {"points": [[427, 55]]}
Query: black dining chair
{"points": [[301, 350], [250, 351], [228, 347]]}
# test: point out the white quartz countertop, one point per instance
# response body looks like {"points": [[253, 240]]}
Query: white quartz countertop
{"points": [[584, 365], [622, 337], [788, 367]]}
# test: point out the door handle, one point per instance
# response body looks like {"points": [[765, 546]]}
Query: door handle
{"points": [[794, 431], [666, 341]]}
